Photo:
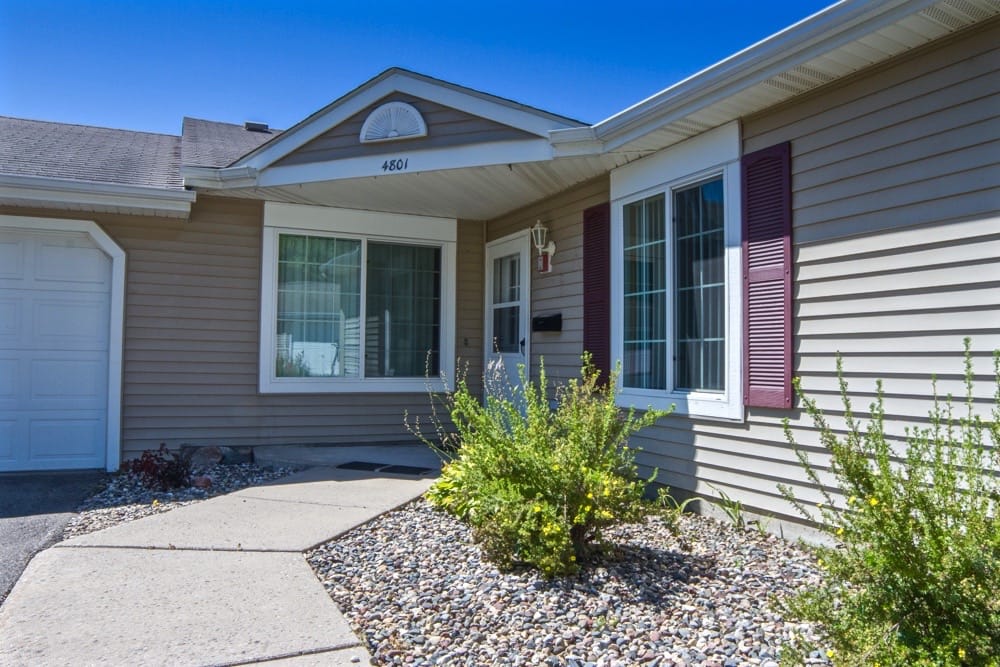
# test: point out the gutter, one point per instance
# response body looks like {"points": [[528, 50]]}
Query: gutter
{"points": [[66, 193]]}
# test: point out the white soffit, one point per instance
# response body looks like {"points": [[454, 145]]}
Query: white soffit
{"points": [[836, 42]]}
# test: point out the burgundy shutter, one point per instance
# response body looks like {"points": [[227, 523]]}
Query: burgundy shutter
{"points": [[596, 285], [767, 277]]}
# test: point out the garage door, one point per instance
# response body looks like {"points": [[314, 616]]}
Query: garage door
{"points": [[55, 307]]}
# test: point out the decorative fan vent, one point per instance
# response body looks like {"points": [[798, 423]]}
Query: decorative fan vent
{"points": [[394, 120]]}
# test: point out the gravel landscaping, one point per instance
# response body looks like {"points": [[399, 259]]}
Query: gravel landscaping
{"points": [[416, 590], [126, 499]]}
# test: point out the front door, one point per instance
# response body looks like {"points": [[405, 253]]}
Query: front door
{"points": [[507, 303]]}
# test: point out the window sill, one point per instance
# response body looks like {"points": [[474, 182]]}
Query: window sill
{"points": [[697, 406], [351, 386]]}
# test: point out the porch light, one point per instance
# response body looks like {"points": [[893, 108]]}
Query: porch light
{"points": [[539, 234]]}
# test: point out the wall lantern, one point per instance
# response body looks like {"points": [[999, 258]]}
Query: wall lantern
{"points": [[539, 234]]}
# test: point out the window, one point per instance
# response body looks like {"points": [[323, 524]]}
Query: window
{"points": [[344, 310], [676, 290]]}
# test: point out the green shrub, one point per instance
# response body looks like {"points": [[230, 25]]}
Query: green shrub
{"points": [[915, 577], [538, 483]]}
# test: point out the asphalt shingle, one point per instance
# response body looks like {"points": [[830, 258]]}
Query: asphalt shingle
{"points": [[206, 143], [86, 153]]}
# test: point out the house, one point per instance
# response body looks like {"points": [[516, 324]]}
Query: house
{"points": [[831, 188]]}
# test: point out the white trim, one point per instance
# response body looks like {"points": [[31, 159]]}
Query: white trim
{"points": [[393, 110], [47, 191], [432, 159], [392, 81], [112, 457], [522, 242], [226, 177], [664, 172], [363, 225]]}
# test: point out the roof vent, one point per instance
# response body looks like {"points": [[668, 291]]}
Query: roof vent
{"points": [[394, 120], [251, 126]]}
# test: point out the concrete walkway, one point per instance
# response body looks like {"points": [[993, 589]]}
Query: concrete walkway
{"points": [[221, 582]]}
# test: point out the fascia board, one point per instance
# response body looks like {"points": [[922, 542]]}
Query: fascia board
{"points": [[219, 178], [452, 157], [88, 193], [326, 119], [836, 26]]}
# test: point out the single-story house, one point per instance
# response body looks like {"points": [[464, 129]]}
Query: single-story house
{"points": [[834, 187]]}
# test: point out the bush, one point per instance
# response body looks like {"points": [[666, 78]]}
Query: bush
{"points": [[915, 576], [161, 470], [538, 483]]}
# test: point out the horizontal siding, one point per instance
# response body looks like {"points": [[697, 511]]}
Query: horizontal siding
{"points": [[192, 331], [445, 127], [560, 291], [896, 238]]}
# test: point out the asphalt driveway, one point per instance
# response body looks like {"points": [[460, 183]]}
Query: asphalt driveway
{"points": [[34, 509]]}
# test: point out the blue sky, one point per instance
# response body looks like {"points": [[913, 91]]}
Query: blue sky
{"points": [[143, 65]]}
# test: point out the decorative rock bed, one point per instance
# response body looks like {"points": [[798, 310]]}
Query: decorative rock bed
{"points": [[418, 593]]}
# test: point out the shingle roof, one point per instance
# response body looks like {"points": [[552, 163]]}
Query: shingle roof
{"points": [[86, 153], [207, 143]]}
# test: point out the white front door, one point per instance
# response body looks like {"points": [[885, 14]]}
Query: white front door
{"points": [[55, 314], [507, 305]]}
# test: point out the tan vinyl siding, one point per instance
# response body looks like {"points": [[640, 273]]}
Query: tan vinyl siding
{"points": [[560, 291], [896, 217], [445, 127], [192, 330]]}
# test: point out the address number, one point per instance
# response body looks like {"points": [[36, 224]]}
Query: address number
{"points": [[396, 165]]}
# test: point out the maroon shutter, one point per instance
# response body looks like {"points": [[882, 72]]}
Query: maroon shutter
{"points": [[767, 277], [596, 285]]}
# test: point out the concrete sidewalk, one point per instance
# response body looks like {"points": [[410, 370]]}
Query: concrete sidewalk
{"points": [[221, 582]]}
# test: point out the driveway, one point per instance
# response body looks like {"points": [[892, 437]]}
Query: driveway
{"points": [[34, 509]]}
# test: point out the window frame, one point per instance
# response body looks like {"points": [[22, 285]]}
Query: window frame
{"points": [[365, 226], [708, 156]]}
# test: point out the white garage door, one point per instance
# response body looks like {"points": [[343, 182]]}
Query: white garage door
{"points": [[55, 305]]}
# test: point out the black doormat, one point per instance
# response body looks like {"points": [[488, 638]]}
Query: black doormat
{"points": [[384, 467]]}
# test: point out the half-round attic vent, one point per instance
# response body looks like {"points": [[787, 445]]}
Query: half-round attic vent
{"points": [[393, 120]]}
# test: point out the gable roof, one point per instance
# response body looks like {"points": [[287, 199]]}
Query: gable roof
{"points": [[397, 80], [86, 153], [207, 143]]}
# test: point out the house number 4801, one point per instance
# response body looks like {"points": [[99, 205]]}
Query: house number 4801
{"points": [[399, 164]]}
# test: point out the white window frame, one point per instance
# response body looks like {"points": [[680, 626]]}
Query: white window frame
{"points": [[707, 156], [366, 226]]}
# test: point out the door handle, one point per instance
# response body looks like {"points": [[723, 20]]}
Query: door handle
{"points": [[522, 346]]}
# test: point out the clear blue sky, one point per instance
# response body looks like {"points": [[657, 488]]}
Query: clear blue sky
{"points": [[144, 64]]}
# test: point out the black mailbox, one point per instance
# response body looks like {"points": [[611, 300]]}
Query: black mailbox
{"points": [[547, 322]]}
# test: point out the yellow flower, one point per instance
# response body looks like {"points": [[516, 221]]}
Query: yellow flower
{"points": [[873, 501], [961, 653], [877, 664], [819, 561], [607, 491], [852, 500], [829, 652], [590, 495], [840, 531], [156, 502], [538, 508]]}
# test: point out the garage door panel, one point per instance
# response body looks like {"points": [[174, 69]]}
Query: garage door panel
{"points": [[10, 374], [78, 324], [8, 440], [12, 261], [74, 264], [11, 322], [65, 440], [68, 381]]}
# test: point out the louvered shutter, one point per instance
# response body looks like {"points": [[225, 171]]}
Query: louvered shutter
{"points": [[767, 277], [596, 285]]}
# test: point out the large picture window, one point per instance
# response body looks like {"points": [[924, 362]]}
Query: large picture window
{"points": [[348, 311], [676, 297]]}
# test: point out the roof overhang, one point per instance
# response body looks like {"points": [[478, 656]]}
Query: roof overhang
{"points": [[90, 196], [842, 39]]}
